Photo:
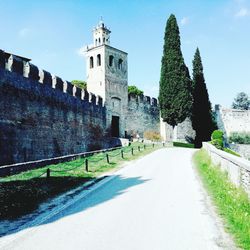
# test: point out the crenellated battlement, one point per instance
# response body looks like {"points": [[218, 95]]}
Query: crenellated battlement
{"points": [[146, 100], [23, 67], [145, 114], [44, 116], [31, 71]]}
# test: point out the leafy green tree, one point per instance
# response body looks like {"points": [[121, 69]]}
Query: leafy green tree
{"points": [[202, 116], [240, 138], [80, 84], [175, 96], [241, 102], [133, 90]]}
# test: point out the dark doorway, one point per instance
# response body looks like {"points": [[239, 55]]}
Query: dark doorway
{"points": [[115, 126]]}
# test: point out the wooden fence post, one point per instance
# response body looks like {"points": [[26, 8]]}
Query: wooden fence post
{"points": [[86, 165], [48, 173], [122, 154], [107, 156]]}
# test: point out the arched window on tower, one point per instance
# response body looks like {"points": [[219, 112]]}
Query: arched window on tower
{"points": [[91, 62], [120, 62], [98, 60], [111, 61], [104, 40], [95, 42], [99, 41]]}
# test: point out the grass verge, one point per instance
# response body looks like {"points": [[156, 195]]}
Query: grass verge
{"points": [[232, 203], [230, 151], [22, 193], [183, 145]]}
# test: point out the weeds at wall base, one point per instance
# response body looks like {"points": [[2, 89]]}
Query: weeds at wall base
{"points": [[232, 203]]}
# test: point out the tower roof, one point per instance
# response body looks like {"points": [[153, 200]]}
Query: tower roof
{"points": [[101, 25]]}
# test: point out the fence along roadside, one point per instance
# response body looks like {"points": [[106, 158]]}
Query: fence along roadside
{"points": [[9, 170]]}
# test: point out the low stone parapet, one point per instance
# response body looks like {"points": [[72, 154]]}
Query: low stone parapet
{"points": [[242, 149], [238, 168]]}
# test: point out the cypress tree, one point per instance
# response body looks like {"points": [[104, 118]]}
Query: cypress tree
{"points": [[175, 96], [202, 117]]}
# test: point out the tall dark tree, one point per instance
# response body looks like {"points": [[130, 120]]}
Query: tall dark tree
{"points": [[202, 116], [175, 96]]}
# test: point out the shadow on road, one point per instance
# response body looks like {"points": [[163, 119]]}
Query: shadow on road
{"points": [[112, 189], [21, 197]]}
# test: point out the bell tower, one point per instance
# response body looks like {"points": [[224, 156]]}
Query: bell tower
{"points": [[107, 76], [101, 34]]}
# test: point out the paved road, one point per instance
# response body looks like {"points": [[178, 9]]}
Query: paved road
{"points": [[153, 204]]}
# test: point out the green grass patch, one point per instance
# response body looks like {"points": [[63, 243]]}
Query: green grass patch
{"points": [[22, 193], [183, 145], [230, 151], [232, 203]]}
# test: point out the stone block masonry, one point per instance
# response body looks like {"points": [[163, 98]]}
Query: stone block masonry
{"points": [[232, 120], [242, 149], [43, 116], [238, 169], [107, 76], [142, 115], [183, 132]]}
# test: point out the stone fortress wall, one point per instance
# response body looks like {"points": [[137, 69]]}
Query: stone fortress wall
{"points": [[42, 116], [183, 132], [143, 115], [234, 120]]}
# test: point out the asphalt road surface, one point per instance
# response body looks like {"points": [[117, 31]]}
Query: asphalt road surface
{"points": [[155, 203]]}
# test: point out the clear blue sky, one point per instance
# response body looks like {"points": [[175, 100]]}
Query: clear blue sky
{"points": [[51, 32]]}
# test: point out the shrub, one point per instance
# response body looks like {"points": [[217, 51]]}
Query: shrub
{"points": [[217, 134], [80, 84], [183, 144], [218, 143], [240, 138], [217, 139], [152, 135], [133, 90]]}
